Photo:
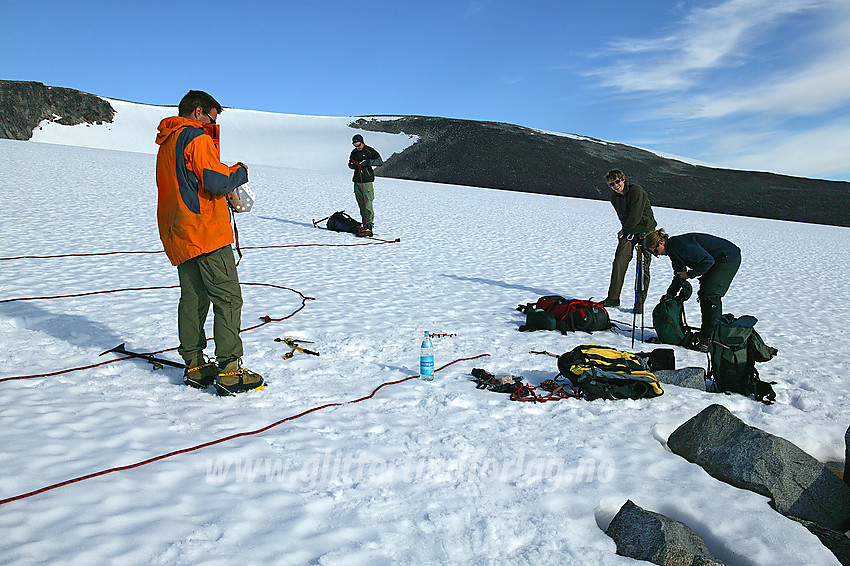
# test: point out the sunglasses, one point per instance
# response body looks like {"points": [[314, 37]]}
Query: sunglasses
{"points": [[613, 184], [356, 143]]}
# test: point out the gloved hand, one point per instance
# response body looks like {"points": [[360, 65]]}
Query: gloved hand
{"points": [[682, 275], [352, 164], [665, 297], [364, 163], [242, 165]]}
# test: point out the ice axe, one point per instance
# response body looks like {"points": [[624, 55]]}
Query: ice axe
{"points": [[156, 362], [293, 343]]}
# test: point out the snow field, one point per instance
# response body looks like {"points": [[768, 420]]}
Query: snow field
{"points": [[423, 473]]}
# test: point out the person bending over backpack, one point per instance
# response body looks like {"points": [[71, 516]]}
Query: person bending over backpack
{"points": [[713, 260]]}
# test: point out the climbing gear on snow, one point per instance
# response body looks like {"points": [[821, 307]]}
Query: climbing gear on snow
{"points": [[157, 363], [293, 343], [520, 391]]}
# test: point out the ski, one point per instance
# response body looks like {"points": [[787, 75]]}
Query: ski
{"points": [[157, 363]]}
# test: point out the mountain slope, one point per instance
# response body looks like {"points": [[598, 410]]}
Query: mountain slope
{"points": [[504, 156], [446, 150]]}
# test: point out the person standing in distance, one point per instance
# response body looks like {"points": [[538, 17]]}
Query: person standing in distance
{"points": [[361, 160], [631, 203], [194, 226]]}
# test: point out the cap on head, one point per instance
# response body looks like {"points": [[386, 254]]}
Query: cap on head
{"points": [[357, 138]]}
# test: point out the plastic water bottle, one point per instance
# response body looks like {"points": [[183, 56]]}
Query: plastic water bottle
{"points": [[426, 358]]}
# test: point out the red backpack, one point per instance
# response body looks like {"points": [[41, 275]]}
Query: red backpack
{"points": [[554, 312]]}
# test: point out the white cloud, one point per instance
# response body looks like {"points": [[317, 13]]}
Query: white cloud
{"points": [[750, 84], [822, 149], [706, 39], [820, 88]]}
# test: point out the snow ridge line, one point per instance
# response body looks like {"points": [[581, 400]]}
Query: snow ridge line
{"points": [[265, 320], [220, 440], [377, 241]]}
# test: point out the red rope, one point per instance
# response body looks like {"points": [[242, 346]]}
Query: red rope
{"points": [[266, 320], [373, 243], [220, 440]]}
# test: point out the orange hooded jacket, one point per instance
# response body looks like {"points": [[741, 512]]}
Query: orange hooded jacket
{"points": [[192, 181]]}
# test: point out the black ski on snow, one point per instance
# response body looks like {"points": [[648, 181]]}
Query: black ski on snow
{"points": [[156, 362]]}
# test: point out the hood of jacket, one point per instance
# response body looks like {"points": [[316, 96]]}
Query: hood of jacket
{"points": [[173, 124]]}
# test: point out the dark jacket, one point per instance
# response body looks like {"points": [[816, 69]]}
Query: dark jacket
{"points": [[633, 210], [697, 253], [362, 160]]}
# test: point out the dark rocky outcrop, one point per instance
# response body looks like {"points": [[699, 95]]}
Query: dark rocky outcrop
{"points": [[644, 535], [750, 458], [505, 156], [24, 104]]}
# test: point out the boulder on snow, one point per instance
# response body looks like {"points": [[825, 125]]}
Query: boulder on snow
{"points": [[644, 535], [691, 377], [749, 458]]}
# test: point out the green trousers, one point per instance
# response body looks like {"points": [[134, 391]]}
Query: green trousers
{"points": [[210, 278], [622, 258], [365, 194], [712, 287]]}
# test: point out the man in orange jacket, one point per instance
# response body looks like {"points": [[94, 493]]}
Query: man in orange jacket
{"points": [[194, 226]]}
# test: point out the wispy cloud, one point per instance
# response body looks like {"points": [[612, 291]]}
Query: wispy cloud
{"points": [[706, 39], [771, 80], [822, 149], [822, 85]]}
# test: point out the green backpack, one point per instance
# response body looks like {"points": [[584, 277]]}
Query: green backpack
{"points": [[735, 348], [668, 319]]}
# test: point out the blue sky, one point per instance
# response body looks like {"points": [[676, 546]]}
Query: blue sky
{"points": [[749, 84]]}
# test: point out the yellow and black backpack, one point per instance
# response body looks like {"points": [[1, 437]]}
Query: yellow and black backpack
{"points": [[600, 372]]}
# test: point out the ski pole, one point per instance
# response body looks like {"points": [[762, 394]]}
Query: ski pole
{"points": [[643, 292], [634, 309]]}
